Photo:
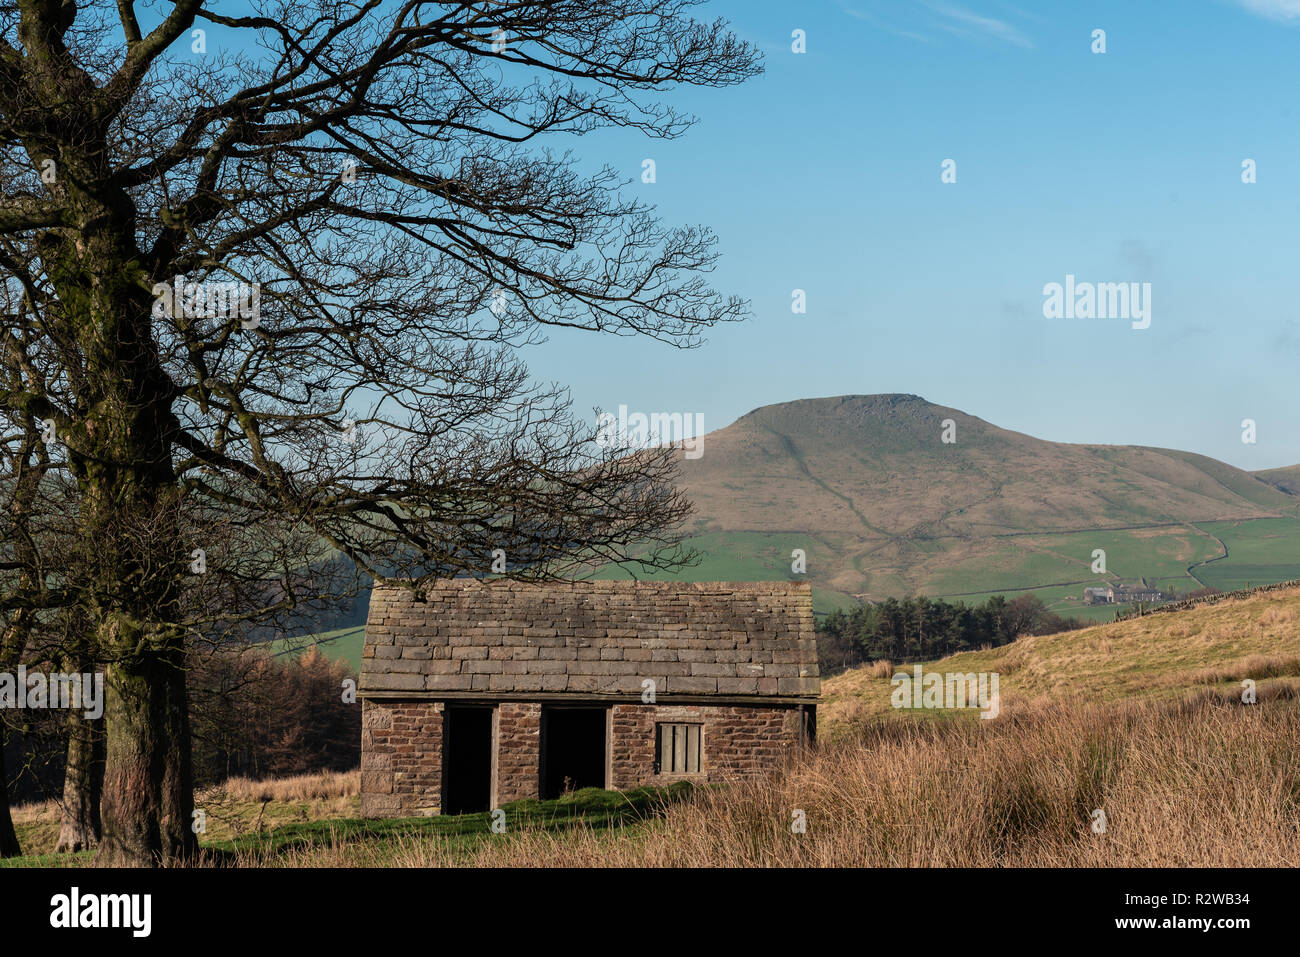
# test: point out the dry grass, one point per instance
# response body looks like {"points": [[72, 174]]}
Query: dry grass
{"points": [[1256, 667], [1116, 718], [37, 824], [303, 787], [1205, 781], [1199, 781], [1157, 656], [239, 806], [232, 808]]}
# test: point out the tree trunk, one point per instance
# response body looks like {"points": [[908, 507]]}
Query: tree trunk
{"points": [[121, 455], [83, 784], [8, 836], [148, 784]]}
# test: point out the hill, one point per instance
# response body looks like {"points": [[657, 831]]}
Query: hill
{"points": [[883, 506], [341, 644]]}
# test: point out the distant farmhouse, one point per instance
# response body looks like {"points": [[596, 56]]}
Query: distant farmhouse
{"points": [[478, 693], [1123, 594], [1101, 595]]}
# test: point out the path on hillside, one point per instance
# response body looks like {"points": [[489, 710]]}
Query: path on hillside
{"points": [[1217, 558], [803, 467]]}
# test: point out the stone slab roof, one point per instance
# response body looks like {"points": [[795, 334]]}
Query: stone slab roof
{"points": [[733, 639]]}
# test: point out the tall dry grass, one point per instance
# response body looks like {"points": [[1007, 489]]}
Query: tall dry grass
{"points": [[301, 787], [234, 807], [1205, 781], [1255, 667]]}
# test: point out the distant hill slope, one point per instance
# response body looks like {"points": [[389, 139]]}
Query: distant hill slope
{"points": [[876, 465], [882, 506], [1287, 478]]}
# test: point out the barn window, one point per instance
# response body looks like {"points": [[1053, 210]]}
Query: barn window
{"points": [[679, 749]]}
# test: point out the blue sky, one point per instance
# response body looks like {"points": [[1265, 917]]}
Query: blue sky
{"points": [[824, 175]]}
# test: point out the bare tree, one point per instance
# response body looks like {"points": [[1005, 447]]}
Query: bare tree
{"points": [[34, 538], [19, 489], [270, 276]]}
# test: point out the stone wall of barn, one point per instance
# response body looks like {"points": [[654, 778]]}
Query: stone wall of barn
{"points": [[518, 757], [737, 740], [401, 757]]}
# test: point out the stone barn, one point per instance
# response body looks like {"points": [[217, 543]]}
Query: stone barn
{"points": [[478, 693]]}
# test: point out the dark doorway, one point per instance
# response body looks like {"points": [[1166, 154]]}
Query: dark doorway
{"points": [[573, 750], [466, 760]]}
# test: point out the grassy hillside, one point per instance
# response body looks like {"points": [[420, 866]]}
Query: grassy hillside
{"points": [[746, 556], [877, 465], [1287, 478], [1159, 657], [343, 644]]}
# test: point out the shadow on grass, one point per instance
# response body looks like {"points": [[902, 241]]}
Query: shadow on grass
{"points": [[590, 807]]}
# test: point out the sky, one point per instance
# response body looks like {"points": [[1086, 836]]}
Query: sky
{"points": [[824, 174]]}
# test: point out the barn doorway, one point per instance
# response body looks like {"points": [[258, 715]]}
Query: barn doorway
{"points": [[466, 759], [573, 749]]}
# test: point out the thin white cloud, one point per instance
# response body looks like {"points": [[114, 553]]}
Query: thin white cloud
{"points": [[1283, 10], [989, 26], [879, 25], [946, 17], [1022, 14]]}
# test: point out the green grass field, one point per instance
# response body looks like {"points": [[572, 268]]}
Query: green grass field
{"points": [[591, 808], [748, 556], [343, 644], [1259, 553]]}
